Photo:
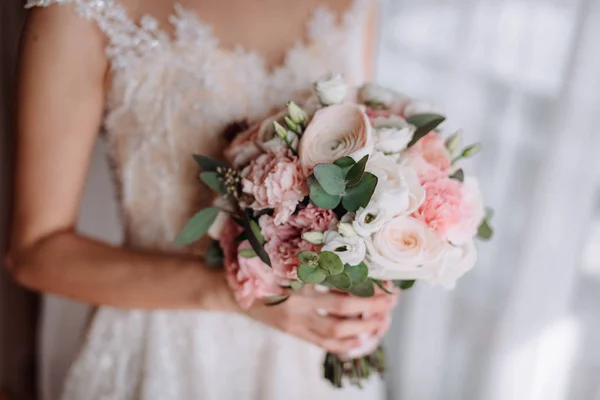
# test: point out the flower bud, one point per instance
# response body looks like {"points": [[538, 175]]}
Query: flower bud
{"points": [[346, 229], [453, 142], [313, 237], [296, 113], [471, 150]]}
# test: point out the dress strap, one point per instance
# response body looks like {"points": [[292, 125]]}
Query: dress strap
{"points": [[125, 37]]}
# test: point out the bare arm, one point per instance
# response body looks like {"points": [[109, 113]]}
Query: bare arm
{"points": [[372, 30], [60, 99]]}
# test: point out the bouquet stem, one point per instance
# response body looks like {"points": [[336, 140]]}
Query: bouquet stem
{"points": [[357, 370]]}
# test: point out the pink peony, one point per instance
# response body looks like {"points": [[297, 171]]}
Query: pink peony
{"points": [[429, 156], [276, 181], [313, 219], [451, 208]]}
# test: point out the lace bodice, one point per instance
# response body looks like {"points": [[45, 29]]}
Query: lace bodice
{"points": [[174, 95]]}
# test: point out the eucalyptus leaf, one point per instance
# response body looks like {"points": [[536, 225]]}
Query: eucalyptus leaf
{"points": [[381, 286], [363, 289], [209, 164], [330, 263], [275, 300], [360, 195], [197, 226], [485, 231], [404, 284], [357, 273], [308, 257], [213, 256], [355, 173], [331, 178], [345, 163], [310, 275], [321, 198], [296, 285], [256, 231], [212, 181], [247, 253], [241, 237], [459, 175], [255, 242], [340, 281], [425, 123]]}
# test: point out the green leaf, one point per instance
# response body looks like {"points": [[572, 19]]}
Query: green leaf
{"points": [[459, 175], [308, 257], [241, 237], [425, 123], [471, 150], [360, 195], [275, 300], [404, 285], [296, 285], [485, 231], [209, 164], [256, 231], [321, 198], [330, 263], [331, 178], [381, 286], [247, 253], [363, 289], [355, 173], [340, 281], [357, 273], [310, 275], [213, 257], [212, 181], [345, 163], [255, 242], [197, 226]]}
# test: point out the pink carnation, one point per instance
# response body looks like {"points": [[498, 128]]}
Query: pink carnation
{"points": [[312, 218], [429, 156], [276, 181], [451, 208], [284, 255]]}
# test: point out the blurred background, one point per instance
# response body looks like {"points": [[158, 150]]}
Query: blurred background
{"points": [[522, 78]]}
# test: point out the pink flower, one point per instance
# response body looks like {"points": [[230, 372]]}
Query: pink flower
{"points": [[334, 132], [276, 181], [451, 208], [284, 255], [429, 156], [271, 231], [313, 219]]}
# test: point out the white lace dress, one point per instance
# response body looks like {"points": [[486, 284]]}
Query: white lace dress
{"points": [[171, 96]]}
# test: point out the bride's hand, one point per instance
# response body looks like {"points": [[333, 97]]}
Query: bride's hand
{"points": [[329, 320]]}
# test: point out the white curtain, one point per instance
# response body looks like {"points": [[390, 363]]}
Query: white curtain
{"points": [[522, 78]]}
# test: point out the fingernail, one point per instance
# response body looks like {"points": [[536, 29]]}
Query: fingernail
{"points": [[322, 312]]}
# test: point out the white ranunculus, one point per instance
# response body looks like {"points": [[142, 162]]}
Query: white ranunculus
{"points": [[404, 248], [398, 191], [331, 89], [351, 250], [454, 263], [392, 134], [370, 219]]}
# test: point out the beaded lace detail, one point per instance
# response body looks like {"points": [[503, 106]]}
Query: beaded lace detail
{"points": [[171, 96]]}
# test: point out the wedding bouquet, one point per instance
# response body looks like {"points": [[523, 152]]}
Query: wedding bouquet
{"points": [[353, 190]]}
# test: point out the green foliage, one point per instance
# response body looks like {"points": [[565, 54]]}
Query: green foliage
{"points": [[453, 143], [256, 231], [308, 257], [357, 273], [485, 231], [363, 289], [355, 173], [381, 286], [404, 284], [212, 181], [310, 275], [197, 226], [330, 263], [321, 198], [459, 175], [425, 123], [296, 285], [360, 195], [345, 163], [209, 164], [331, 178], [339, 281], [255, 238], [247, 253], [213, 257]]}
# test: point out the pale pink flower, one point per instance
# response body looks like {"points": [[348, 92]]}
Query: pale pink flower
{"points": [[313, 219], [276, 181], [429, 156], [284, 255], [334, 132], [271, 231], [451, 208]]}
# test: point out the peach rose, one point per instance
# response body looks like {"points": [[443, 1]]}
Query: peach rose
{"points": [[404, 248], [334, 132], [429, 156], [276, 181]]}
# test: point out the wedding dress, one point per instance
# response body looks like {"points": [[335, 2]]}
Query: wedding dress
{"points": [[171, 96]]}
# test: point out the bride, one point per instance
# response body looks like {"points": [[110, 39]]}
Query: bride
{"points": [[164, 80]]}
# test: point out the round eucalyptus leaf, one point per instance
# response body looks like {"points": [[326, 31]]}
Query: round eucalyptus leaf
{"points": [[331, 178], [340, 281], [330, 263], [310, 275]]}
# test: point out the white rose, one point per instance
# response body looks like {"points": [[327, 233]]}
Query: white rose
{"points": [[398, 190], [392, 134], [404, 248], [454, 263], [351, 250], [373, 93], [331, 89], [370, 219]]}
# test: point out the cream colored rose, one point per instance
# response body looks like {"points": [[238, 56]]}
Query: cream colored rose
{"points": [[454, 263], [331, 89], [392, 134], [404, 248], [334, 132]]}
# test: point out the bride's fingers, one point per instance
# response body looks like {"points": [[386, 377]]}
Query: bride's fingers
{"points": [[342, 328], [344, 305], [337, 346]]}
